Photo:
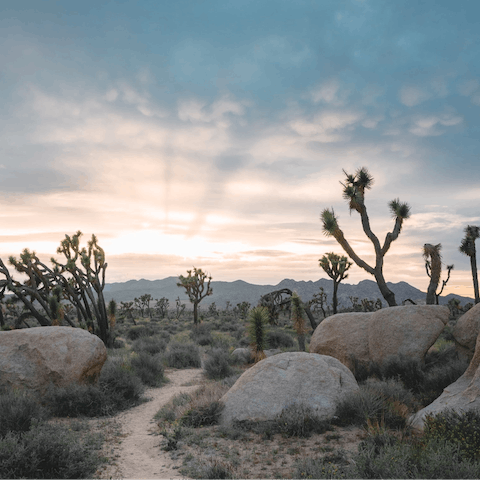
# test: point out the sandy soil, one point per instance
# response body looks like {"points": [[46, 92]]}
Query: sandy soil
{"points": [[132, 440]]}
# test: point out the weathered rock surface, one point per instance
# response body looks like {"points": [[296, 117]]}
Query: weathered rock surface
{"points": [[462, 395], [408, 330], [277, 382], [466, 330], [35, 357]]}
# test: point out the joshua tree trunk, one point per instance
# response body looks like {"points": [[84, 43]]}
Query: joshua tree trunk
{"points": [[334, 298], [195, 313], [473, 263], [387, 294]]}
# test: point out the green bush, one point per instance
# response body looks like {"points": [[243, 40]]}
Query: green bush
{"points": [[183, 355], [149, 368], [151, 345], [48, 451], [329, 466], [279, 339], [217, 365], [463, 429], [18, 410]]}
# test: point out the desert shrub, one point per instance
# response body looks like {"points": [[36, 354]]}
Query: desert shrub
{"points": [[78, 400], [387, 403], [217, 366], [149, 368], [279, 339], [122, 387], [118, 344], [17, 411], [300, 421], [151, 345], [462, 429], [407, 369], [438, 377], [138, 331], [384, 456], [210, 468], [318, 469], [229, 381], [203, 415], [183, 355], [48, 451], [117, 389], [204, 339], [201, 407]]}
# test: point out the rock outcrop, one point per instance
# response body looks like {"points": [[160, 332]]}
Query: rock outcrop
{"points": [[33, 358], [462, 395], [466, 331], [265, 390], [408, 330]]}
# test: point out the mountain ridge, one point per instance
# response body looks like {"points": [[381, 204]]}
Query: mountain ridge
{"points": [[240, 290]]}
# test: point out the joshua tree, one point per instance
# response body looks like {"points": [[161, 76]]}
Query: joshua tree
{"points": [[161, 307], [298, 319], [127, 311], [258, 319], [197, 286], [468, 248], [335, 266], [354, 192], [79, 283], [433, 266]]}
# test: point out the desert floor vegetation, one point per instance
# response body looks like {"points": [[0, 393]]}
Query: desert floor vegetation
{"points": [[369, 437]]}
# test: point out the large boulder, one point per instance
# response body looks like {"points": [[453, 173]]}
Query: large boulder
{"points": [[462, 395], [33, 358], [277, 382], [466, 331], [408, 330]]}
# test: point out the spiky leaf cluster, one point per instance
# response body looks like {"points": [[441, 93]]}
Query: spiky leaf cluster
{"points": [[399, 209], [329, 221], [467, 245], [355, 186], [257, 321], [335, 266], [298, 315]]}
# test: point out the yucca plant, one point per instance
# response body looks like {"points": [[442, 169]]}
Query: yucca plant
{"points": [[298, 318], [335, 266], [467, 247], [258, 318]]}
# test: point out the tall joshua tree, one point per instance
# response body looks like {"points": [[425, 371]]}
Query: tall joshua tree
{"points": [[197, 286], [335, 266], [468, 248], [354, 193]]}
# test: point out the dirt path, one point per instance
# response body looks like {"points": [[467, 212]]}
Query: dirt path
{"points": [[135, 451]]}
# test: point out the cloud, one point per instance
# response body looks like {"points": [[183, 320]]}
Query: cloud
{"points": [[428, 125], [330, 93], [327, 126], [411, 96], [195, 110]]}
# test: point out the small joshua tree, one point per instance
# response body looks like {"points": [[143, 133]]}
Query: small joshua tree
{"points": [[354, 193], [468, 248], [197, 286], [112, 312], [258, 319], [433, 265], [298, 318], [335, 266]]}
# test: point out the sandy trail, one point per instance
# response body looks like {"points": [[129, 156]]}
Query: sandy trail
{"points": [[138, 454]]}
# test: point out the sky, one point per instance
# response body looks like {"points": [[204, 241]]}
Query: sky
{"points": [[213, 133]]}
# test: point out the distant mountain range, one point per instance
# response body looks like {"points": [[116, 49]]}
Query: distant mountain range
{"points": [[239, 291]]}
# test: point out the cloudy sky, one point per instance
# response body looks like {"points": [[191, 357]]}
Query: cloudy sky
{"points": [[213, 133]]}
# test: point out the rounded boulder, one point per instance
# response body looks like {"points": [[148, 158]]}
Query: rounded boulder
{"points": [[264, 391]]}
